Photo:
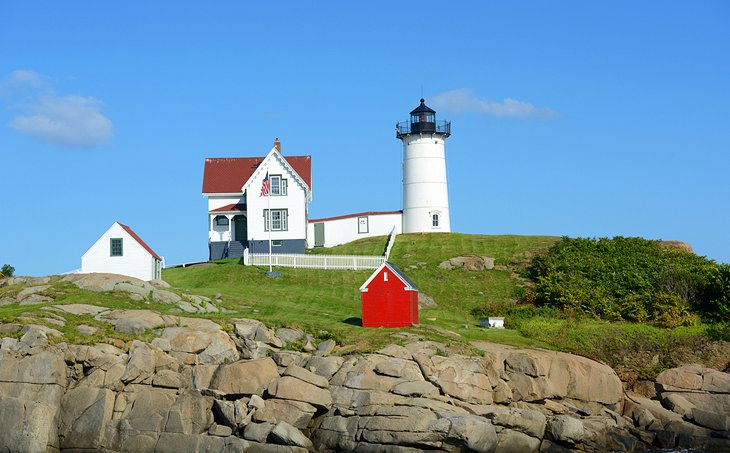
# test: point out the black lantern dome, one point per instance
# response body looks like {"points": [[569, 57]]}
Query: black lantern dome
{"points": [[423, 121]]}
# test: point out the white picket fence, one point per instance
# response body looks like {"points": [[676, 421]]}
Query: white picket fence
{"points": [[326, 262]]}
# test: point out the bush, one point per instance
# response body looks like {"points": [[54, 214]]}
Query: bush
{"points": [[717, 307], [629, 279], [7, 270]]}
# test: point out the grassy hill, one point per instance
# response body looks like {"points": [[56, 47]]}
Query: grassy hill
{"points": [[328, 302], [327, 305]]}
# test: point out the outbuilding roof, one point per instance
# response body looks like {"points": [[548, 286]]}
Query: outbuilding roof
{"points": [[140, 241], [229, 174], [410, 286]]}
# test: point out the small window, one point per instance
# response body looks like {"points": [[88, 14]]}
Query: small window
{"points": [[278, 185], [116, 247], [277, 243], [435, 220], [385, 276], [221, 220]]}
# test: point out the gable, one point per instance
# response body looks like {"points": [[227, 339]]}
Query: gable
{"points": [[230, 174], [395, 271], [130, 235], [266, 166]]}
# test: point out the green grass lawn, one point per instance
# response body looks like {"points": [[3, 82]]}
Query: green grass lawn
{"points": [[327, 303]]}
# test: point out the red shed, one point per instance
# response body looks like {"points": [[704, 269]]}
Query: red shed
{"points": [[389, 298]]}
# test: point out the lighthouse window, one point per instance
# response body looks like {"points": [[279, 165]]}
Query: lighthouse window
{"points": [[278, 185], [435, 220]]}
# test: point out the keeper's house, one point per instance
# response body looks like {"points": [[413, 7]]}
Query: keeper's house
{"points": [[238, 215], [121, 251]]}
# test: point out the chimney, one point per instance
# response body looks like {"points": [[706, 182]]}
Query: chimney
{"points": [[277, 145]]}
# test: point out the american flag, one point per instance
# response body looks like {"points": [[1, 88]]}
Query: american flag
{"points": [[266, 186]]}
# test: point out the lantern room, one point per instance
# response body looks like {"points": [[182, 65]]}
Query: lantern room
{"points": [[423, 121]]}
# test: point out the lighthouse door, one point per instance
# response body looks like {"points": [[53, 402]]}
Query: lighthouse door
{"points": [[319, 234]]}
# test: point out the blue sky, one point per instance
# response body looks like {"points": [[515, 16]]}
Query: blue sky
{"points": [[568, 118]]}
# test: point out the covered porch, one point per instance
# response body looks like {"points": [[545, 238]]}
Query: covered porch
{"points": [[228, 231]]}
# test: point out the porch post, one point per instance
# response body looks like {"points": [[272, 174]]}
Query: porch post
{"points": [[211, 217], [230, 226]]}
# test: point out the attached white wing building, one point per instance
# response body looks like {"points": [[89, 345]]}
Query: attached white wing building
{"points": [[121, 251]]}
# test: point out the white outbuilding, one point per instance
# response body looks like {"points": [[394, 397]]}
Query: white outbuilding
{"points": [[121, 251]]}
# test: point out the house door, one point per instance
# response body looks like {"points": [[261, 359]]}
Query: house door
{"points": [[319, 234], [240, 232]]}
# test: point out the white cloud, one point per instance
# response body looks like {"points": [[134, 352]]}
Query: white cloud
{"points": [[22, 78], [464, 101], [62, 120], [72, 121]]}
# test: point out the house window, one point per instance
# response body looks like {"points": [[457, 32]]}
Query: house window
{"points": [[221, 220], [116, 247], [385, 276], [278, 185], [277, 243], [277, 221], [435, 220]]}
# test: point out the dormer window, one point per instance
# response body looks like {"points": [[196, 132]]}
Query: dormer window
{"points": [[278, 185]]}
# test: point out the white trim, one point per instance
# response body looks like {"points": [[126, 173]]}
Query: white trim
{"points": [[364, 288], [276, 155]]}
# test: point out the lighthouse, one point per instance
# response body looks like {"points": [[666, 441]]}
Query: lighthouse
{"points": [[425, 190]]}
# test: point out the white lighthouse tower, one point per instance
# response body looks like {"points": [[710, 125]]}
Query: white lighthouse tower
{"points": [[425, 191]]}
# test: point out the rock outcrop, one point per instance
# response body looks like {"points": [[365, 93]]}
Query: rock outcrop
{"points": [[199, 388], [469, 262]]}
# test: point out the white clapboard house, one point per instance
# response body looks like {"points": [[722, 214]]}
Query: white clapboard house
{"points": [[238, 216], [121, 251]]}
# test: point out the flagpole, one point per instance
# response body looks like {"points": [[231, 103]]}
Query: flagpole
{"points": [[268, 199]]}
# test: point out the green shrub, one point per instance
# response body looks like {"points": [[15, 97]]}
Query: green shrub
{"points": [[717, 307], [631, 279], [719, 331], [7, 270]]}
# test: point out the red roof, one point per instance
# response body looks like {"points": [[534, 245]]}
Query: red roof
{"points": [[359, 214], [229, 174], [140, 241], [231, 207]]}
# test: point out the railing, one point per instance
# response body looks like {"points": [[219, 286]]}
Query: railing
{"points": [[391, 241], [437, 127], [326, 262]]}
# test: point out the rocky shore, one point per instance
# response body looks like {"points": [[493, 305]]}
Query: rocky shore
{"points": [[196, 387], [199, 388]]}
